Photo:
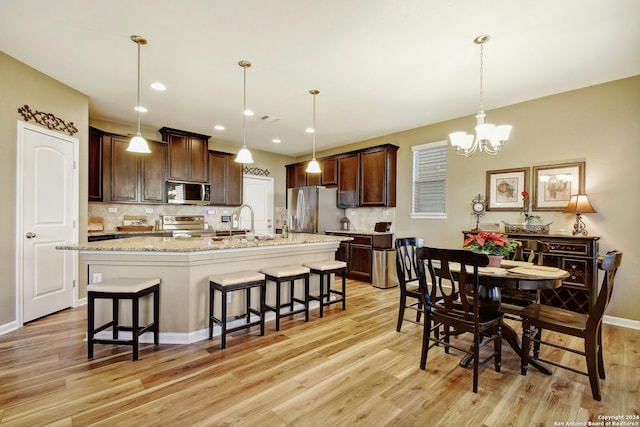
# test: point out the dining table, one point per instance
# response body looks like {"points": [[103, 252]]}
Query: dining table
{"points": [[515, 275]]}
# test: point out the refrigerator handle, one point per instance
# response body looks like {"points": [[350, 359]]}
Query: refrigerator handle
{"points": [[300, 211]]}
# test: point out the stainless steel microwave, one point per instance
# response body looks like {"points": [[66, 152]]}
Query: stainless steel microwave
{"points": [[187, 193]]}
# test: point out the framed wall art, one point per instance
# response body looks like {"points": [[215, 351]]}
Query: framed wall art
{"points": [[505, 187], [553, 185]]}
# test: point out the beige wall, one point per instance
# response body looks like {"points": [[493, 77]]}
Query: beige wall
{"points": [[20, 85], [599, 125]]}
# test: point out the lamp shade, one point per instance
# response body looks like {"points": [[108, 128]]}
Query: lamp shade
{"points": [[138, 145], [314, 166], [244, 156], [579, 204]]}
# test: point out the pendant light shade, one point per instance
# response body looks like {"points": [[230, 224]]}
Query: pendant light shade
{"points": [[314, 166], [138, 144], [244, 155]]}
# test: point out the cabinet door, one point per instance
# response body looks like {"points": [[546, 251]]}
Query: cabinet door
{"points": [[95, 165], [153, 172], [198, 153], [178, 157], [342, 253], [360, 261], [329, 174], [124, 171], [313, 179], [226, 179], [234, 181], [291, 176], [348, 185], [301, 175], [373, 178]]}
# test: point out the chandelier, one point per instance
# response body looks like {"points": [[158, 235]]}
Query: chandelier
{"points": [[244, 155], [314, 166], [489, 138]]}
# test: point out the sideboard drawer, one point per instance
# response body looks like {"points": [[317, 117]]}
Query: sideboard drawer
{"points": [[567, 248]]}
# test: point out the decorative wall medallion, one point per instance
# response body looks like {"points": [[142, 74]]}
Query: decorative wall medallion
{"points": [[256, 171], [47, 119]]}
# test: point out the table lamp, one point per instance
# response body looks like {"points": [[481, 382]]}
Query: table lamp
{"points": [[579, 204]]}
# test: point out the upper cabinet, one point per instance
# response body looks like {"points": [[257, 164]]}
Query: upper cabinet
{"points": [[226, 179], [95, 165], [188, 155], [378, 176], [348, 180], [364, 177], [132, 177]]}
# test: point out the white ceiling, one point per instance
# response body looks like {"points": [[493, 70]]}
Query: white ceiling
{"points": [[381, 65]]}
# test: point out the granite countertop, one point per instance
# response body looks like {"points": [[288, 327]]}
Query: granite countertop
{"points": [[364, 232], [196, 244], [219, 231]]}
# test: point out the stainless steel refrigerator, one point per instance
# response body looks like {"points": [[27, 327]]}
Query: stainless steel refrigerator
{"points": [[313, 209]]}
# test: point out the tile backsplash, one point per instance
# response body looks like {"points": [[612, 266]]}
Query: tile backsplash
{"points": [[361, 218]]}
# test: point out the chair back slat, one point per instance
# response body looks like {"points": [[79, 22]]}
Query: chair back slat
{"points": [[609, 265], [406, 266]]}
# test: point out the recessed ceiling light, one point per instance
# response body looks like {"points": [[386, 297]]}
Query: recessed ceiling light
{"points": [[309, 130], [248, 113], [158, 86], [141, 109], [276, 140], [218, 127]]}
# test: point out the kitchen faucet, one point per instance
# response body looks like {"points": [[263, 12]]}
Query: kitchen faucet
{"points": [[253, 228]]}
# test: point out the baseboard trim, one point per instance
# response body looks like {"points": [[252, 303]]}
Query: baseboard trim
{"points": [[8, 327], [621, 321]]}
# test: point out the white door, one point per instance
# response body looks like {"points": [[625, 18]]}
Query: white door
{"points": [[257, 191], [47, 182]]}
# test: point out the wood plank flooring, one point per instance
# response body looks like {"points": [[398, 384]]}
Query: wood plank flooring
{"points": [[350, 368]]}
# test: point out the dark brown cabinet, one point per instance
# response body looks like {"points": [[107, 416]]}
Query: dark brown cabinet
{"points": [[348, 180], [188, 155], [133, 177], [358, 253], [95, 165], [329, 174], [378, 176], [226, 179]]}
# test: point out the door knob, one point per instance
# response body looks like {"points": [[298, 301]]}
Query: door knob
{"points": [[30, 235]]}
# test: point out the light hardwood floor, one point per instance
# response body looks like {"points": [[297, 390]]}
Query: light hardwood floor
{"points": [[349, 368]]}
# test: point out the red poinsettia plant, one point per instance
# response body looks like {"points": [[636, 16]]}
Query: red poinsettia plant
{"points": [[490, 243]]}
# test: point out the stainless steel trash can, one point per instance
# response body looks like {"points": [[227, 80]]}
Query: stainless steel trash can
{"points": [[384, 268]]}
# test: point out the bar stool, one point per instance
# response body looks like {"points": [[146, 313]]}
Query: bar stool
{"points": [[327, 268], [284, 274], [231, 282], [116, 290]]}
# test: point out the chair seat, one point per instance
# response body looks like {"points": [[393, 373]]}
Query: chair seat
{"points": [[285, 270], [549, 317], [236, 277], [123, 285], [326, 265]]}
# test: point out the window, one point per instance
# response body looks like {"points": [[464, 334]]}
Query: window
{"points": [[429, 180]]}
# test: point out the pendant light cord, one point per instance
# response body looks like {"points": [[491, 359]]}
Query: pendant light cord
{"points": [[314, 126], [481, 76], [138, 102], [244, 108]]}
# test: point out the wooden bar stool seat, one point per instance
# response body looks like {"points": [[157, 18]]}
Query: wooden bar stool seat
{"points": [[123, 289], [231, 282], [284, 274], [324, 269]]}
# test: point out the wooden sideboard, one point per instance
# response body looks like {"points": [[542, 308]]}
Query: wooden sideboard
{"points": [[576, 254]]}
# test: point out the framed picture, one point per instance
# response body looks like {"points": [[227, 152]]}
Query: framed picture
{"points": [[505, 187], [553, 185]]}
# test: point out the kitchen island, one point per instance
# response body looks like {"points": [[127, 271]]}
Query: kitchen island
{"points": [[184, 265]]}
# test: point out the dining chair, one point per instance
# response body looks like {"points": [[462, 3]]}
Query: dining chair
{"points": [[453, 274], [537, 317], [407, 271], [514, 300]]}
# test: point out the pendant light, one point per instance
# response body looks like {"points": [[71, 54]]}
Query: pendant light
{"points": [[244, 155], [138, 144], [314, 166], [489, 138]]}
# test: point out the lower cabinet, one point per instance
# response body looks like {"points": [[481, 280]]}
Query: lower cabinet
{"points": [[358, 253]]}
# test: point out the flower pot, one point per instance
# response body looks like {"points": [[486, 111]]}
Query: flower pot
{"points": [[495, 260]]}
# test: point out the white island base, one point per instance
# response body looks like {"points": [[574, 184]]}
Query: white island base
{"points": [[184, 267]]}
